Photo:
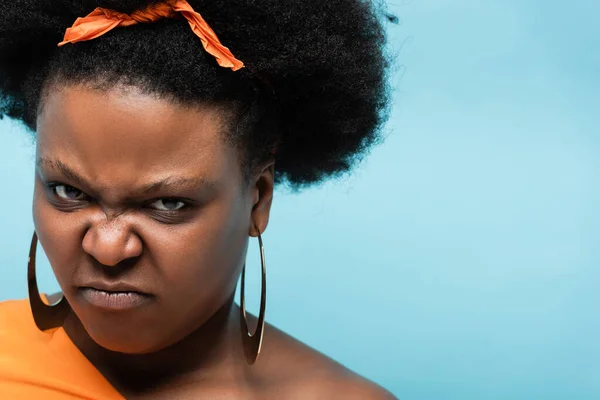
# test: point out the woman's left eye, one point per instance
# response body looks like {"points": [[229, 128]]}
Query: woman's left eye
{"points": [[168, 205]]}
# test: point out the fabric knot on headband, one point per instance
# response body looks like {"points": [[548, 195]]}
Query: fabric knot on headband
{"points": [[102, 20]]}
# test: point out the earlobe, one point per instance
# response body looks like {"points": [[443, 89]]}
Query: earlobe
{"points": [[262, 200]]}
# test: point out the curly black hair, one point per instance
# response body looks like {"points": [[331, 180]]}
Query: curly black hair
{"points": [[313, 94]]}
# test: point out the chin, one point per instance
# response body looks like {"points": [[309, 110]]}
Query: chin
{"points": [[134, 332], [127, 338]]}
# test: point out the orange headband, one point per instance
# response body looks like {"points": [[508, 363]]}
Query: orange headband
{"points": [[102, 20]]}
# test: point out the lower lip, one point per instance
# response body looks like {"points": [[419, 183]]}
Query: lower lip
{"points": [[116, 301]]}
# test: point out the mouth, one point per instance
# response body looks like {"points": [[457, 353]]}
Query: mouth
{"points": [[114, 298]]}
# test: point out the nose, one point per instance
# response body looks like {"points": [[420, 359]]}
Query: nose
{"points": [[111, 242]]}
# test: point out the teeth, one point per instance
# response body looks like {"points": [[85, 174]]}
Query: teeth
{"points": [[116, 293]]}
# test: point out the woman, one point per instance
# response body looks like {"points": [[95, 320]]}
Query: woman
{"points": [[161, 130]]}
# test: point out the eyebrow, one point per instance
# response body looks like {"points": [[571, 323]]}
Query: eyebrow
{"points": [[168, 183]]}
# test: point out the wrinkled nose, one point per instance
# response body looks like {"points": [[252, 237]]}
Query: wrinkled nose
{"points": [[111, 242]]}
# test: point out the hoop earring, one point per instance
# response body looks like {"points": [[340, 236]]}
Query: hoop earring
{"points": [[46, 317], [252, 343]]}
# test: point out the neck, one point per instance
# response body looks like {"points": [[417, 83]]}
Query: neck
{"points": [[212, 354]]}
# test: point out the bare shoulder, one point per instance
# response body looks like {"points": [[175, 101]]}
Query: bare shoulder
{"points": [[301, 372], [347, 388]]}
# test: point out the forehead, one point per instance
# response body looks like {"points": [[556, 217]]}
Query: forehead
{"points": [[125, 133]]}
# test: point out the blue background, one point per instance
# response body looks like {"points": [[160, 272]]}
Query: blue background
{"points": [[460, 261]]}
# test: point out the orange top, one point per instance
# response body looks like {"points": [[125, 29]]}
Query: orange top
{"points": [[102, 20], [44, 365]]}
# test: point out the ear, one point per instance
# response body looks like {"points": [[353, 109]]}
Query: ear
{"points": [[261, 193]]}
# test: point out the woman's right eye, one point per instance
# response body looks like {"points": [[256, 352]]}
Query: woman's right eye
{"points": [[66, 192]]}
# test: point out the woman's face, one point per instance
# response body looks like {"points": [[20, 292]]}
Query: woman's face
{"points": [[142, 211]]}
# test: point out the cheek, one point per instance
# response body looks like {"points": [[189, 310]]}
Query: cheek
{"points": [[57, 234], [201, 265]]}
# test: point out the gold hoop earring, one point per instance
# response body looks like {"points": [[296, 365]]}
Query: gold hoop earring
{"points": [[252, 343], [46, 317]]}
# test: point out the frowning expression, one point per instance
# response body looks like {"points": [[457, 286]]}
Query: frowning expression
{"points": [[142, 209]]}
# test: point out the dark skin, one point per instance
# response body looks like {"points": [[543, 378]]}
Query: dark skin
{"points": [[131, 187]]}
